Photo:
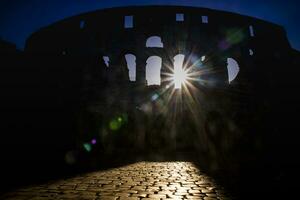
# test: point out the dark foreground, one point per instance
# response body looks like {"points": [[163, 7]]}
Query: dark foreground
{"points": [[154, 178]]}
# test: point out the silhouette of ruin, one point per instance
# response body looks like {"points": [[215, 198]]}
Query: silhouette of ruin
{"points": [[79, 89]]}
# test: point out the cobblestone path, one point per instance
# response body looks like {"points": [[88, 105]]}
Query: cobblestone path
{"points": [[142, 180]]}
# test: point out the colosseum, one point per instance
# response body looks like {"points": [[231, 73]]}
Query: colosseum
{"points": [[159, 80]]}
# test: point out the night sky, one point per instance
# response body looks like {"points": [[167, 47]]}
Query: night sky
{"points": [[19, 18]]}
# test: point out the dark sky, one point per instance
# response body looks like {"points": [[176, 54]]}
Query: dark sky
{"points": [[19, 18]]}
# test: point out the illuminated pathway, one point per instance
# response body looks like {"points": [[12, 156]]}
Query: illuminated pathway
{"points": [[143, 180]]}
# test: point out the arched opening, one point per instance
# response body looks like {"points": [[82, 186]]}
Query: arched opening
{"points": [[232, 68], [131, 66], [106, 60], [179, 74], [153, 67], [154, 41]]}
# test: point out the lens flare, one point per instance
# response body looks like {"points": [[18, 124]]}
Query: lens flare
{"points": [[114, 125], [179, 74], [94, 141], [87, 147], [180, 77]]}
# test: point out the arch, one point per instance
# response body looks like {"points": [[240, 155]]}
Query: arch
{"points": [[106, 60], [179, 74], [251, 52], [251, 31], [154, 41], [153, 67], [131, 66], [232, 68]]}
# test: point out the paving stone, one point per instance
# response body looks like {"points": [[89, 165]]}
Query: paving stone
{"points": [[210, 198], [129, 198], [142, 180]]}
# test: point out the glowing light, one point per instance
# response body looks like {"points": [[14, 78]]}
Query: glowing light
{"points": [[114, 125], [87, 147], [154, 97], [117, 122], [94, 141], [120, 119], [180, 75]]}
